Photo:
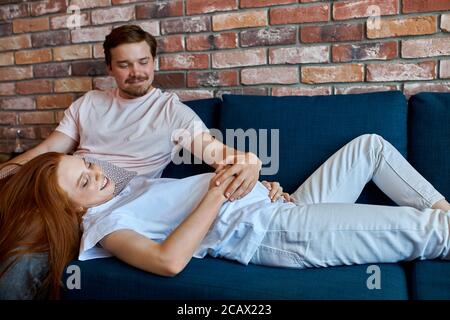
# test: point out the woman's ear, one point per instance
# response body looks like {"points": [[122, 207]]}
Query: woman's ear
{"points": [[81, 210]]}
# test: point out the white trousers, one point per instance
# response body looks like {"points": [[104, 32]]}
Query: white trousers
{"points": [[326, 228]]}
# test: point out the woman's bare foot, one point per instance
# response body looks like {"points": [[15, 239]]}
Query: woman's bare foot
{"points": [[442, 204]]}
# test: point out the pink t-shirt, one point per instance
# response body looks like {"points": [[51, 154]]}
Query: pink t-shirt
{"points": [[137, 134]]}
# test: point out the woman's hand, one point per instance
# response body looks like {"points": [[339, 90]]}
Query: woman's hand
{"points": [[276, 191]]}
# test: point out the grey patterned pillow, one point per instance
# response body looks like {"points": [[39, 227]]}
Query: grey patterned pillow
{"points": [[120, 176]]}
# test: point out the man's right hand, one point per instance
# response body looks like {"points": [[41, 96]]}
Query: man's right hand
{"points": [[8, 169], [56, 142]]}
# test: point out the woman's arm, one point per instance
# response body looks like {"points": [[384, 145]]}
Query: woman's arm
{"points": [[169, 257]]}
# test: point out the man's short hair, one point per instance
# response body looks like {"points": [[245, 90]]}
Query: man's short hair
{"points": [[127, 34]]}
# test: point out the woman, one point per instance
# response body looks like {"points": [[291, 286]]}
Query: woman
{"points": [[37, 219], [158, 225]]}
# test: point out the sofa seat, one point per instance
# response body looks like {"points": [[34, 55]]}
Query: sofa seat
{"points": [[212, 279], [430, 280]]}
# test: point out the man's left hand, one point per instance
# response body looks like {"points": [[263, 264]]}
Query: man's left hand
{"points": [[245, 168]]}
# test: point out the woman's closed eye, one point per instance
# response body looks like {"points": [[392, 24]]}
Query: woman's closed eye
{"points": [[85, 183], [87, 164]]}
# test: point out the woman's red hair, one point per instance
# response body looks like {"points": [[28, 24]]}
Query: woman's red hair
{"points": [[36, 216]]}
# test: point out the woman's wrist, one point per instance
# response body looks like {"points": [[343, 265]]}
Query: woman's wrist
{"points": [[216, 195]]}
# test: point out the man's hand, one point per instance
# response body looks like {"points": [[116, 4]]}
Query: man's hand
{"points": [[57, 142], [245, 168], [218, 191], [276, 191], [8, 169]]}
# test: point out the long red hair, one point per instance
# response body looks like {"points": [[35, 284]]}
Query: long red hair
{"points": [[37, 216]]}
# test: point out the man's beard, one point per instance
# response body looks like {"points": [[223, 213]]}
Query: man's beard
{"points": [[138, 91]]}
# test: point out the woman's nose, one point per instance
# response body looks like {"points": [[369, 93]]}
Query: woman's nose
{"points": [[97, 171]]}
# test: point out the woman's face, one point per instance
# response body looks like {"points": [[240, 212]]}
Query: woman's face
{"points": [[84, 182]]}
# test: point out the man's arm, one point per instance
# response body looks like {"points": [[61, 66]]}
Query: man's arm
{"points": [[244, 165], [57, 142]]}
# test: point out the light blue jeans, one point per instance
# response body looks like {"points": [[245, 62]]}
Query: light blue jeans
{"points": [[326, 228], [23, 281]]}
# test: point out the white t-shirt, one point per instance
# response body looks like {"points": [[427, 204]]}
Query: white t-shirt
{"points": [[136, 134], [155, 207]]}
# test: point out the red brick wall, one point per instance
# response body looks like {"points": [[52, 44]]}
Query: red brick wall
{"points": [[210, 47]]}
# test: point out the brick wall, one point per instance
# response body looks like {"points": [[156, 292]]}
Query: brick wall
{"points": [[210, 47]]}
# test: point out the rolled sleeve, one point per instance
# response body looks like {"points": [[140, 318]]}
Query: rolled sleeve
{"points": [[70, 124], [185, 124]]}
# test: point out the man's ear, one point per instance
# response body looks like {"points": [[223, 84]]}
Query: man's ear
{"points": [[109, 70]]}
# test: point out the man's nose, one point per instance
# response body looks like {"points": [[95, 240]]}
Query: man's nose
{"points": [[134, 69]]}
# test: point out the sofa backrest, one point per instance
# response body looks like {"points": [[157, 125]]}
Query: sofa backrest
{"points": [[310, 129], [429, 138]]}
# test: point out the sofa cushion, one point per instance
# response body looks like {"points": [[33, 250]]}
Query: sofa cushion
{"points": [[429, 138], [430, 280], [311, 129], [428, 150], [208, 111], [211, 278]]}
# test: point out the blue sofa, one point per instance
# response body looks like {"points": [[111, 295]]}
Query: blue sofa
{"points": [[310, 130]]}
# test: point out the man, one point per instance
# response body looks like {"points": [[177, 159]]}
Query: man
{"points": [[136, 127]]}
